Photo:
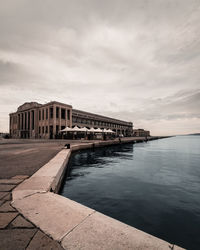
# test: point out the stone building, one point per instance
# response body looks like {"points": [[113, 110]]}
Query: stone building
{"points": [[141, 133], [34, 120]]}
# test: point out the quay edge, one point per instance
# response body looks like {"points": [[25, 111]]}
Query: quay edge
{"points": [[73, 225]]}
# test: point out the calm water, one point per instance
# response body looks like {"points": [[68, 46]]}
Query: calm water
{"points": [[152, 186]]}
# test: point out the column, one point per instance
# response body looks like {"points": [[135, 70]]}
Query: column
{"points": [[24, 120], [54, 121], [60, 121], [30, 123], [67, 124]]}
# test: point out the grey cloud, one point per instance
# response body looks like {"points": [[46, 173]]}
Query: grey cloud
{"points": [[138, 56], [181, 105]]}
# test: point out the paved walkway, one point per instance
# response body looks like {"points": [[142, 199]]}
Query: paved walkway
{"points": [[19, 159], [16, 232], [25, 157]]}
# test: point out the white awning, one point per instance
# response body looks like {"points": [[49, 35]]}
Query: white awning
{"points": [[92, 130], [76, 129], [83, 129], [110, 131], [67, 129], [98, 130], [105, 130]]}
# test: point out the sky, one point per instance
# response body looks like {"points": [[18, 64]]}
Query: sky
{"points": [[135, 60]]}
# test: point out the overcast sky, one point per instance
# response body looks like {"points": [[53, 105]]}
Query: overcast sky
{"points": [[137, 60]]}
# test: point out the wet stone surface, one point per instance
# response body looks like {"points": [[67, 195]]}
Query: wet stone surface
{"points": [[16, 232]]}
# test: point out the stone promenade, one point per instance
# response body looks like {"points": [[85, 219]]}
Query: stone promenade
{"points": [[16, 232], [19, 159]]}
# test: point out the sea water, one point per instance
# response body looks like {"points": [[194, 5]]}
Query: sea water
{"points": [[153, 186]]}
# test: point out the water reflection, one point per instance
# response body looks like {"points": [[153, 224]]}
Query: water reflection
{"points": [[152, 186]]}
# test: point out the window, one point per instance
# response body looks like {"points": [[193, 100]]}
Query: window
{"points": [[28, 120], [46, 130], [43, 114], [57, 129], [43, 129], [51, 112], [25, 119], [57, 112], [39, 114], [33, 120], [18, 121], [39, 130], [63, 114], [68, 114], [46, 114]]}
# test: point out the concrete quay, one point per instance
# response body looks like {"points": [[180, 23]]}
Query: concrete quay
{"points": [[67, 222], [16, 232]]}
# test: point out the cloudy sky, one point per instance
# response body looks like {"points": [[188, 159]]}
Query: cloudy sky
{"points": [[137, 60]]}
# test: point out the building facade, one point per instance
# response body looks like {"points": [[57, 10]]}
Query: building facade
{"points": [[35, 120], [89, 120], [141, 133]]}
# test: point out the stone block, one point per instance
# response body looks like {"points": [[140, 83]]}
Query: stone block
{"points": [[22, 177], [102, 232], [1, 202], [43, 242], [54, 214], [6, 218], [19, 221], [6, 207], [32, 185], [10, 181], [3, 194], [15, 239], [8, 197], [6, 188]]}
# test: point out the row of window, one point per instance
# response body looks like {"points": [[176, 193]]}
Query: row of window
{"points": [[45, 129], [98, 123], [23, 120], [13, 119], [60, 112]]}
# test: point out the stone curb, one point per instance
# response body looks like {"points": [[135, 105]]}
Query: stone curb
{"points": [[73, 225]]}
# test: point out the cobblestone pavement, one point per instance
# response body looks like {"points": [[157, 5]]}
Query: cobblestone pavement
{"points": [[16, 232]]}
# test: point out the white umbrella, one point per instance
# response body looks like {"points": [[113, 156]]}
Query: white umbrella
{"points": [[92, 130], [98, 130], [67, 129], [104, 130], [83, 129], [76, 129], [110, 131]]}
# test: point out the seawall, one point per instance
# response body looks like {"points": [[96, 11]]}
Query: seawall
{"points": [[74, 225]]}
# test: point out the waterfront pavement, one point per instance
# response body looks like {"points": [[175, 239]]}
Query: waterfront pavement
{"points": [[25, 157], [19, 159], [16, 232]]}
